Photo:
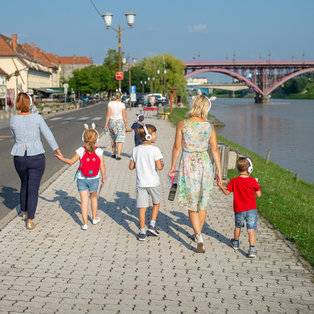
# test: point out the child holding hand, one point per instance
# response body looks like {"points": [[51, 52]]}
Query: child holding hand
{"points": [[139, 123], [244, 189], [88, 174]]}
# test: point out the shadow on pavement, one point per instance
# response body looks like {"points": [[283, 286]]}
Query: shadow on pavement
{"points": [[10, 196], [69, 204], [123, 211], [184, 220]]}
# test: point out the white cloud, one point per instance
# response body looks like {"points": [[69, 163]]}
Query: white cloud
{"points": [[197, 28]]}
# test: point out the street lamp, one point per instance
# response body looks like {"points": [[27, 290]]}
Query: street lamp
{"points": [[108, 20], [126, 61], [150, 84], [158, 73], [165, 71]]}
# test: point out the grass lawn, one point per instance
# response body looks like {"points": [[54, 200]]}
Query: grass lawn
{"points": [[288, 205]]}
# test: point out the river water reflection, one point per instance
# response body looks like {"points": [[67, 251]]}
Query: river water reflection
{"points": [[284, 126]]}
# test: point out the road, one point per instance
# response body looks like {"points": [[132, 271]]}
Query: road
{"points": [[67, 129]]}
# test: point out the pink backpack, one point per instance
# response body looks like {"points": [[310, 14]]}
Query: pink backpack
{"points": [[89, 164]]}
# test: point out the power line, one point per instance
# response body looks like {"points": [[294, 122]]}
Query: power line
{"points": [[95, 8]]}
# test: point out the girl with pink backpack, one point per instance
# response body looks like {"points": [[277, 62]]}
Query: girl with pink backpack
{"points": [[88, 174]]}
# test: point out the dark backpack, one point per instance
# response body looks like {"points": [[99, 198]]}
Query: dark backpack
{"points": [[89, 164]]}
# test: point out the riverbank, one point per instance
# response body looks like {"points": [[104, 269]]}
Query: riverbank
{"points": [[285, 203]]}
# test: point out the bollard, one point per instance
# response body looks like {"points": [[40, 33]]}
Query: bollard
{"points": [[268, 156], [297, 177]]}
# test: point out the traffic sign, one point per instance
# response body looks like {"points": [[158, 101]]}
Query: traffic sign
{"points": [[133, 89], [119, 76]]}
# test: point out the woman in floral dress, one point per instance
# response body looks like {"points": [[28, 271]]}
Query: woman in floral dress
{"points": [[116, 122], [196, 180]]}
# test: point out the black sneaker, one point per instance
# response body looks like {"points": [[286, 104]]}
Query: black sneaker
{"points": [[141, 237], [234, 244], [153, 230]]}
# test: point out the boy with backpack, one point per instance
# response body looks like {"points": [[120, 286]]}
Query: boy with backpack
{"points": [[88, 174]]}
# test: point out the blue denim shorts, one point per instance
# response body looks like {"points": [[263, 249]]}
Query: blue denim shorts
{"points": [[249, 216], [87, 184]]}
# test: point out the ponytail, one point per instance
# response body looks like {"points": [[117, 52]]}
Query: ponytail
{"points": [[90, 138]]}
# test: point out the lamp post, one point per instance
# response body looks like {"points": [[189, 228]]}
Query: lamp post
{"points": [[158, 73], [108, 20], [154, 83], [150, 86], [125, 61], [165, 71], [143, 83]]}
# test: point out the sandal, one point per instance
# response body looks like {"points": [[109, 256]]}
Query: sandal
{"points": [[113, 156], [200, 247]]}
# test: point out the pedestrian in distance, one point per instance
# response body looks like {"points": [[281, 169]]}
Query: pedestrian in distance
{"points": [[244, 189], [147, 159], [139, 123], [195, 182], [88, 174], [116, 122], [28, 152]]}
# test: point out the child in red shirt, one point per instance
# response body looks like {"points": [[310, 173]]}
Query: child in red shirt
{"points": [[244, 189]]}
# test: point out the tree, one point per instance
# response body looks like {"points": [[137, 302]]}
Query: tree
{"points": [[174, 76], [90, 80]]}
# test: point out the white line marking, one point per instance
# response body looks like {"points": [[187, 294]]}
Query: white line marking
{"points": [[97, 118], [52, 119], [83, 118], [69, 118]]}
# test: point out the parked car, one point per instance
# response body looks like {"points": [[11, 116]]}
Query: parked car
{"points": [[139, 101], [159, 99]]}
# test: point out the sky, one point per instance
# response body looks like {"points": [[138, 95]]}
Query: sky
{"points": [[204, 29]]}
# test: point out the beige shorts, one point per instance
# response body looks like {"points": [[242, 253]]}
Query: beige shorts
{"points": [[142, 196]]}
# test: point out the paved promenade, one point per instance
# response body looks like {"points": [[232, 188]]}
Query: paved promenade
{"points": [[58, 268]]}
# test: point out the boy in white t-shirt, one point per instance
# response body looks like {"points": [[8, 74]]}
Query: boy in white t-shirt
{"points": [[147, 159]]}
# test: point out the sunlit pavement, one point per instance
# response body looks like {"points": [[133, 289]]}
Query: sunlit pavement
{"points": [[57, 267]]}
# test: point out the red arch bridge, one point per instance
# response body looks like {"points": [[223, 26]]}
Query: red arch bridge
{"points": [[262, 77]]}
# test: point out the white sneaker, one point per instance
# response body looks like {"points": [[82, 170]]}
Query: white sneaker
{"points": [[96, 221], [84, 227]]}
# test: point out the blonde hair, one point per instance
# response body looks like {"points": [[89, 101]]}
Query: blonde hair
{"points": [[117, 95], [200, 107], [90, 138], [23, 102]]}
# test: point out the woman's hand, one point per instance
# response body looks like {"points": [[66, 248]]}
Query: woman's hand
{"points": [[172, 172], [58, 152], [219, 179], [103, 181]]}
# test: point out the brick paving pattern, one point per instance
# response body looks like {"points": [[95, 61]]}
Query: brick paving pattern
{"points": [[58, 268]]}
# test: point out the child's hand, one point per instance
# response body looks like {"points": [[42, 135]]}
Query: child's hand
{"points": [[59, 156], [129, 130], [103, 181]]}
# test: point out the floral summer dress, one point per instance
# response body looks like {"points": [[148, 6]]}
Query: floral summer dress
{"points": [[196, 171]]}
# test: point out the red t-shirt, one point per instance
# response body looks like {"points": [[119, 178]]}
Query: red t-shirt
{"points": [[243, 193]]}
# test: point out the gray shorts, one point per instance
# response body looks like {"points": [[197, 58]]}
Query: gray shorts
{"points": [[142, 196]]}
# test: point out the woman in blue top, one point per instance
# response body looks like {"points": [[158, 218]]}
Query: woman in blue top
{"points": [[28, 152]]}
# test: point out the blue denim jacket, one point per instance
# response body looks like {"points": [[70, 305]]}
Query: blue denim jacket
{"points": [[26, 132]]}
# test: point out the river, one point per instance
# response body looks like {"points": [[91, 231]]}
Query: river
{"points": [[284, 126]]}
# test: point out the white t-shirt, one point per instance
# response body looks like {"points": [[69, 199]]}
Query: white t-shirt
{"points": [[145, 157], [116, 108], [80, 151]]}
